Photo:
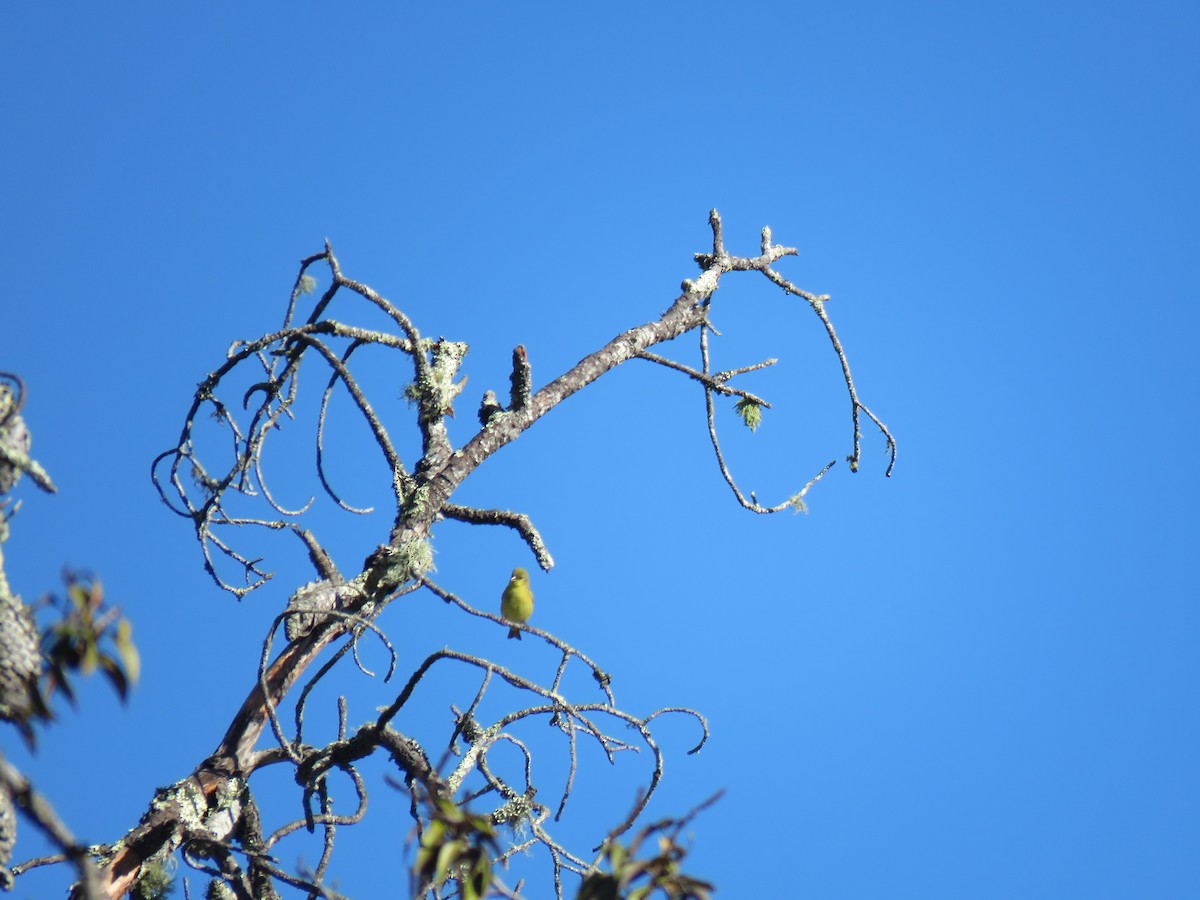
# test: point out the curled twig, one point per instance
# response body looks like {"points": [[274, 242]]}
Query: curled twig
{"points": [[817, 304]]}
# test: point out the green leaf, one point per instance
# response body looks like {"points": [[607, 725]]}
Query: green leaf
{"points": [[598, 886], [616, 855], [431, 842], [447, 855], [78, 595], [91, 658], [480, 879], [114, 674], [131, 661]]}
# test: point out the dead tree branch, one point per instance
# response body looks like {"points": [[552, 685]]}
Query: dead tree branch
{"points": [[212, 812]]}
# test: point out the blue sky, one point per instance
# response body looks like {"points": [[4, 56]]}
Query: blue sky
{"points": [[974, 679]]}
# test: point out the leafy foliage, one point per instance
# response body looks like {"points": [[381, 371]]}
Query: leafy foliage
{"points": [[660, 874], [455, 844], [89, 635]]}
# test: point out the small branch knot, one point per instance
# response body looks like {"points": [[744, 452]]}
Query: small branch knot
{"points": [[489, 407]]}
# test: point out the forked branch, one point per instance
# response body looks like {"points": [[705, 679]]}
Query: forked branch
{"points": [[332, 612]]}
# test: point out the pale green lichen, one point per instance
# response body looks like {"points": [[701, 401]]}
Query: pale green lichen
{"points": [[191, 803], [416, 557], [416, 500], [393, 566], [231, 791], [751, 413], [306, 285], [515, 813], [435, 392]]}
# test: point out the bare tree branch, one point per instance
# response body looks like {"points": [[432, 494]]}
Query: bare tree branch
{"points": [[41, 813], [818, 306], [211, 813]]}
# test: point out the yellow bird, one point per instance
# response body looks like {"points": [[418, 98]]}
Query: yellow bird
{"points": [[516, 603]]}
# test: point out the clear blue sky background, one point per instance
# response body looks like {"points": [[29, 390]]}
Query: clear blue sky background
{"points": [[975, 679]]}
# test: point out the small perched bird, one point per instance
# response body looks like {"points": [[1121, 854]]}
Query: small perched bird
{"points": [[516, 603]]}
